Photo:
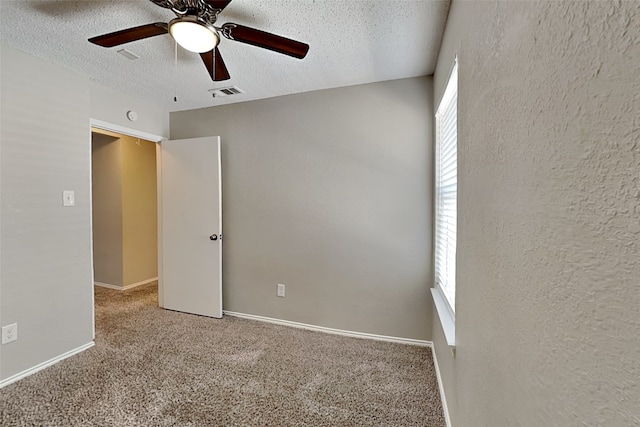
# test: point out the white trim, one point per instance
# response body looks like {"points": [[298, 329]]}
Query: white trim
{"points": [[108, 285], [219, 278], [91, 262], [125, 288], [446, 319], [443, 398], [159, 222], [409, 341], [43, 365], [453, 75], [125, 130]]}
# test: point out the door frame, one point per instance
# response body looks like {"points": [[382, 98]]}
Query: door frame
{"points": [[112, 127]]}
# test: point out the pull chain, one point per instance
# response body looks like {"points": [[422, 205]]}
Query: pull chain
{"points": [[213, 72], [175, 86]]}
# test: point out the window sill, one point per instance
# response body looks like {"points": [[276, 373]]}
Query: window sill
{"points": [[446, 318]]}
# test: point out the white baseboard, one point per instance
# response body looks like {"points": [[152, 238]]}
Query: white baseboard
{"points": [[43, 365], [354, 334], [108, 285], [443, 399], [125, 288]]}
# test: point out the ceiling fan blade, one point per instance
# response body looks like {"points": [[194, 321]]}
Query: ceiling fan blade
{"points": [[218, 4], [130, 34], [265, 40], [221, 72]]}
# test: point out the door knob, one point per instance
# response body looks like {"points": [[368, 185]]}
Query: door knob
{"points": [[213, 237]]}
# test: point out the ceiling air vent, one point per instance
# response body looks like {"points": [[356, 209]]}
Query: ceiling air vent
{"points": [[128, 54], [225, 91]]}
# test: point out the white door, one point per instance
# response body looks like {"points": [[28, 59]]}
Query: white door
{"points": [[191, 226]]}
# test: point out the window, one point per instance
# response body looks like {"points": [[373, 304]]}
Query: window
{"points": [[446, 191]]}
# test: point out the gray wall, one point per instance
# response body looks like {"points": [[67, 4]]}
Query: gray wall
{"points": [[329, 193], [46, 284], [140, 211], [111, 106], [549, 208], [106, 172]]}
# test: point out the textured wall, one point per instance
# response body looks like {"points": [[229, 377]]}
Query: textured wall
{"points": [[46, 248], [112, 107], [329, 193], [46, 282], [548, 302]]}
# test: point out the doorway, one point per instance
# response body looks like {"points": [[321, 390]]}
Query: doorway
{"points": [[188, 190], [124, 206], [124, 211]]}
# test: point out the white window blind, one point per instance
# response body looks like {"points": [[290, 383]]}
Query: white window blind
{"points": [[446, 192]]}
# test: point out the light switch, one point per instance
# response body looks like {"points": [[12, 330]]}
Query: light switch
{"points": [[68, 198]]}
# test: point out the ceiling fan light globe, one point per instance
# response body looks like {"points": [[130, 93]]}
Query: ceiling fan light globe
{"points": [[193, 35]]}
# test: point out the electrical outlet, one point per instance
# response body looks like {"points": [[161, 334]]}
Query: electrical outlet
{"points": [[280, 290], [68, 198], [9, 333]]}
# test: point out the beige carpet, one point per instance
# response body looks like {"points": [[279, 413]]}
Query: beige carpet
{"points": [[152, 367]]}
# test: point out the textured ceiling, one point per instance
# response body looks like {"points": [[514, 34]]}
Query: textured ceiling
{"points": [[352, 42]]}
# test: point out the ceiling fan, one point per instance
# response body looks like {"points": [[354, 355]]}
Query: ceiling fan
{"points": [[194, 29]]}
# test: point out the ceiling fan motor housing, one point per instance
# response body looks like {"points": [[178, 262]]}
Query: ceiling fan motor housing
{"points": [[194, 34]]}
